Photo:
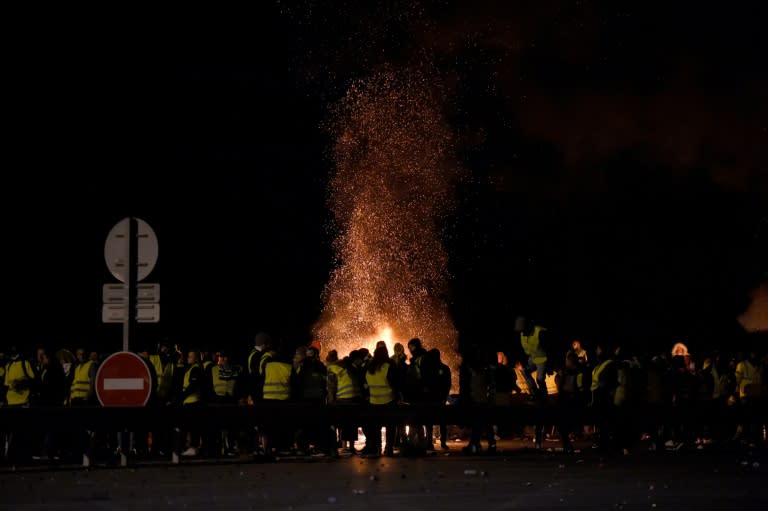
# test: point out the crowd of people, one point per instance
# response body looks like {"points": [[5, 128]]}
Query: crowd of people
{"points": [[602, 395]]}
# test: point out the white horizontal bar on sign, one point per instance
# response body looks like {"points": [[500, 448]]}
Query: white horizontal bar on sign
{"points": [[123, 384]]}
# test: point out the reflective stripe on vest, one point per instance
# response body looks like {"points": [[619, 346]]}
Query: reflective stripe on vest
{"points": [[277, 381], [380, 391], [17, 378], [345, 386], [221, 386], [81, 385], [192, 398], [265, 359], [596, 372], [532, 345]]}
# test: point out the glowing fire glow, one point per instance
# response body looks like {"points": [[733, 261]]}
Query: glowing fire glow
{"points": [[392, 185]]}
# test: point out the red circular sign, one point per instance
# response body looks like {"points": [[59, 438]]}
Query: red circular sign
{"points": [[123, 379]]}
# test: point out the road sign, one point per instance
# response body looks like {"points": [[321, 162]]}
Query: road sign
{"points": [[117, 249], [147, 312], [148, 293], [114, 312], [113, 293], [123, 379], [118, 312], [145, 293]]}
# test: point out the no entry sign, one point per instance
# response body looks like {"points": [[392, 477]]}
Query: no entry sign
{"points": [[123, 379]]}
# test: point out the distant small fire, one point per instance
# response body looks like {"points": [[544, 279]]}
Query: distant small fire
{"points": [[393, 183]]}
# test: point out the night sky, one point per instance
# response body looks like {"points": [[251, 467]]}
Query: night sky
{"points": [[615, 157]]}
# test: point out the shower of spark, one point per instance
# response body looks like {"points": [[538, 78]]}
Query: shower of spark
{"points": [[393, 183]]}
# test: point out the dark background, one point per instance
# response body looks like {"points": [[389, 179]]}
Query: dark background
{"points": [[615, 161]]}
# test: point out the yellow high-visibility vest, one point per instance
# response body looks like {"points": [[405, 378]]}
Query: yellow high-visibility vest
{"points": [[748, 379], [345, 385], [532, 345], [195, 397], [596, 372], [380, 391], [82, 384], [164, 376], [18, 378], [277, 381], [222, 388]]}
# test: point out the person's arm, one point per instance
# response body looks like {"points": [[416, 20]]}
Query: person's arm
{"points": [[92, 381], [739, 373], [332, 386]]}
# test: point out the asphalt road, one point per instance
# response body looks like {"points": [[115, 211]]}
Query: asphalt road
{"points": [[517, 478]]}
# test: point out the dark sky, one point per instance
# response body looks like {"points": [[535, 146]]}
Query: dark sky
{"points": [[616, 160]]}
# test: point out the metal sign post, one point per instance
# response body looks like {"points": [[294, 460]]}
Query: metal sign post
{"points": [[131, 252]]}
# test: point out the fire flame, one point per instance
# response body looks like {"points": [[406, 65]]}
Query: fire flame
{"points": [[393, 183]]}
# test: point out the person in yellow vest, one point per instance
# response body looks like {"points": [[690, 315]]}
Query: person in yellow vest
{"points": [[19, 378], [748, 378], [224, 378], [81, 392], [382, 391], [345, 389], [277, 374], [164, 365], [532, 339], [262, 344], [192, 395]]}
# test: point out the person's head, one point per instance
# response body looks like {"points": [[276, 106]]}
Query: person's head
{"points": [[356, 358], [222, 358], [679, 349], [299, 355], [501, 358], [312, 353], [523, 324], [262, 341], [399, 349], [333, 356], [193, 357], [80, 355], [433, 355], [576, 345], [365, 354], [414, 346], [380, 357], [93, 356], [40, 354], [380, 344]]}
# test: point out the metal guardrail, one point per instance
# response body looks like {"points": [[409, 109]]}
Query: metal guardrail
{"points": [[212, 417]]}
